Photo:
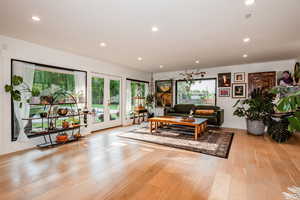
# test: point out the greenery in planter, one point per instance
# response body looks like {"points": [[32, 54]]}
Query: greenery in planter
{"points": [[19, 87], [289, 102], [149, 104], [258, 107]]}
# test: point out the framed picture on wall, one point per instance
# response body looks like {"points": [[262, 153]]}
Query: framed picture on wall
{"points": [[239, 90], [239, 77], [224, 92], [224, 80], [163, 91]]}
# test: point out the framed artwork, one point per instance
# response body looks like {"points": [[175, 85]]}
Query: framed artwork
{"points": [[224, 80], [224, 92], [163, 91], [297, 72], [239, 77], [263, 80], [239, 90]]}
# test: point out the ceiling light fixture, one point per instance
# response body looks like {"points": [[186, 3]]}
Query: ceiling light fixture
{"points": [[103, 44], [161, 66], [140, 58], [197, 61], [36, 18], [245, 56], [154, 29], [249, 2], [247, 39]]}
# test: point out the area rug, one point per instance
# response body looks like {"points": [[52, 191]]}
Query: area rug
{"points": [[214, 142]]}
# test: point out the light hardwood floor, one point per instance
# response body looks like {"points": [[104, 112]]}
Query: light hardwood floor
{"points": [[104, 166]]}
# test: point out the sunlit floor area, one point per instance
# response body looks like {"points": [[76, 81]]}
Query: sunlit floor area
{"points": [[105, 166]]}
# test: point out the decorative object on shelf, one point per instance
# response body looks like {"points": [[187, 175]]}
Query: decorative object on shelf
{"points": [[239, 90], [51, 125], [256, 109], [164, 93], [62, 111], [65, 124], [20, 90], [297, 73], [43, 114], [224, 92], [224, 79], [46, 100], [62, 138], [77, 135], [239, 77]]}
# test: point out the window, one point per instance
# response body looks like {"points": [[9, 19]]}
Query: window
{"points": [[198, 92], [47, 80], [134, 88]]}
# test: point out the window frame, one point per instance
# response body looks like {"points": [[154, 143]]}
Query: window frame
{"points": [[13, 138], [201, 79]]}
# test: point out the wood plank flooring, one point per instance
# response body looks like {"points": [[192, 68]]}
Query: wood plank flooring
{"points": [[104, 166]]}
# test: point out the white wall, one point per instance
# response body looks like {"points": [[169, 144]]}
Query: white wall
{"points": [[17, 49], [227, 102]]}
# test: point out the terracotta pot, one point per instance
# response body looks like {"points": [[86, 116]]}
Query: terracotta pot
{"points": [[65, 124], [61, 138]]}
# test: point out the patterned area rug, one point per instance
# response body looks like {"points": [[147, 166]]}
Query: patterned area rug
{"points": [[213, 142]]}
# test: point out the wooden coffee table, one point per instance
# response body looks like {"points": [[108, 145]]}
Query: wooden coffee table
{"points": [[200, 124]]}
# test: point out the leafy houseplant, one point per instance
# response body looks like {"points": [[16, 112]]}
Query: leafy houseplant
{"points": [[19, 87], [150, 104], [256, 109], [289, 102]]}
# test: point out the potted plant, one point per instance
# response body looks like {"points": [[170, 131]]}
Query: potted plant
{"points": [[289, 102], [149, 104], [19, 90], [256, 109]]}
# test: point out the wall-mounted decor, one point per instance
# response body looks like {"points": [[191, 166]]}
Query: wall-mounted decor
{"points": [[49, 81], [163, 89], [224, 80], [239, 77], [263, 80], [239, 90], [224, 92]]}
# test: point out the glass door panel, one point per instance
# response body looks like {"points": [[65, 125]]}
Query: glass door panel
{"points": [[98, 99], [114, 99]]}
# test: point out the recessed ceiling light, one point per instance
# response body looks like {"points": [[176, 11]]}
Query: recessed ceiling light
{"points": [[154, 29], [247, 39], [161, 66], [36, 18], [245, 56], [103, 44], [197, 61], [249, 2], [140, 58]]}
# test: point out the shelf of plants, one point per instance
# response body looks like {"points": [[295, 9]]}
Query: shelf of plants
{"points": [[57, 116]]}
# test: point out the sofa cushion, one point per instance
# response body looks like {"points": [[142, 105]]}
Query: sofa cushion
{"points": [[207, 108], [184, 108], [204, 112]]}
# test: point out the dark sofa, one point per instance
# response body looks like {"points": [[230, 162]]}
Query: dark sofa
{"points": [[215, 116]]}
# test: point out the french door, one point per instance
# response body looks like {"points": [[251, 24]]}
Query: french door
{"points": [[106, 101]]}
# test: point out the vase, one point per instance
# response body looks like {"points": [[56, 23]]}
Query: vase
{"points": [[255, 127]]}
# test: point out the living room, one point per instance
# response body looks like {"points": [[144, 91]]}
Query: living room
{"points": [[149, 100]]}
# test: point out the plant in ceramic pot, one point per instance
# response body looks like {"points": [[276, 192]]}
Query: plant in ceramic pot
{"points": [[20, 91], [256, 109]]}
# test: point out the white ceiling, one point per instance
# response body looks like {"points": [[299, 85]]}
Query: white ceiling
{"points": [[210, 31]]}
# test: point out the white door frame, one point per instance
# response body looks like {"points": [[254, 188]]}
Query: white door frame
{"points": [[106, 98]]}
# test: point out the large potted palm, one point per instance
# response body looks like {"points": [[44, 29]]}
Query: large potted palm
{"points": [[256, 109]]}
